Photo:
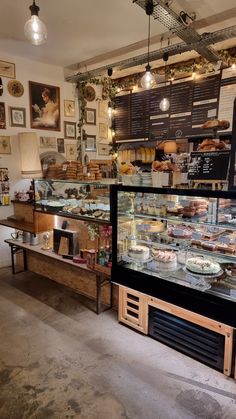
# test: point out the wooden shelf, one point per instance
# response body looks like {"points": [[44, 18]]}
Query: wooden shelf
{"points": [[18, 225]]}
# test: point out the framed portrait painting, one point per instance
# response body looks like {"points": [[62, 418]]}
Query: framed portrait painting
{"points": [[44, 106], [70, 129], [17, 117], [90, 116], [69, 108], [2, 115]]}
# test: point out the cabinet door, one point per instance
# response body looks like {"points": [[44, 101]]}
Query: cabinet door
{"points": [[133, 309]]}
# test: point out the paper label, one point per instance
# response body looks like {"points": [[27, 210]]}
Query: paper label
{"points": [[224, 240]]}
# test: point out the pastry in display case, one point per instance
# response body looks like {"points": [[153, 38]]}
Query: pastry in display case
{"points": [[73, 198], [181, 236]]}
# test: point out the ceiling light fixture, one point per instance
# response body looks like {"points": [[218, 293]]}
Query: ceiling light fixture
{"points": [[34, 29], [148, 80], [165, 103]]}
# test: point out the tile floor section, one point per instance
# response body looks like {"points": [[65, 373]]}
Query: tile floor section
{"points": [[58, 359]]}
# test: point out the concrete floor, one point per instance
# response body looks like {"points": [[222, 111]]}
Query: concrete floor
{"points": [[58, 359]]}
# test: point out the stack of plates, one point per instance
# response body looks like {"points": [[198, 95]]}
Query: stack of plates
{"points": [[146, 178]]}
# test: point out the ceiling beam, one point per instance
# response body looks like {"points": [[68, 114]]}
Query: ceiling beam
{"points": [[206, 39]]}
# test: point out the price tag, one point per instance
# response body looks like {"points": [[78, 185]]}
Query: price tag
{"points": [[224, 239], [64, 167]]}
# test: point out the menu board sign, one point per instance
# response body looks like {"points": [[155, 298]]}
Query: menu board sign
{"points": [[212, 165], [192, 103]]}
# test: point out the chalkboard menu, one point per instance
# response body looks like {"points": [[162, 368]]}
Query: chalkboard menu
{"points": [[212, 165], [192, 102]]}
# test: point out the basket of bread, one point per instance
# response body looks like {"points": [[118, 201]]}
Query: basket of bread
{"points": [[161, 173], [129, 174]]}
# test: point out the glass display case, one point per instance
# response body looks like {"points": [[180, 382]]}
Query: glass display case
{"points": [[179, 245], [81, 200]]}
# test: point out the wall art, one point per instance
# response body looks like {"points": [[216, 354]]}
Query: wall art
{"points": [[90, 116], [2, 116], [60, 145], [17, 117], [44, 106], [90, 143], [47, 142], [71, 151], [103, 131], [5, 144], [69, 129], [7, 69], [69, 108]]}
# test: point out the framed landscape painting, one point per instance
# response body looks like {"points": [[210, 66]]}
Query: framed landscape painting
{"points": [[17, 117]]}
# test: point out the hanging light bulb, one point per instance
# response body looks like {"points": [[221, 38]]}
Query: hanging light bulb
{"points": [[165, 103], [34, 29], [148, 80], [233, 66]]}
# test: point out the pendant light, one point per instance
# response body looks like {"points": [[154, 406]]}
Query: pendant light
{"points": [[35, 30], [148, 80], [165, 103]]}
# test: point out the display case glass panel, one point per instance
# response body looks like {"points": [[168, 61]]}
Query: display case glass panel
{"points": [[73, 198], [176, 236]]}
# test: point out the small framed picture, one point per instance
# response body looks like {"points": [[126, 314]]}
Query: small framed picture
{"points": [[47, 142], [103, 131], [61, 145], [70, 129], [90, 144], [71, 151], [2, 116], [5, 144], [104, 149], [69, 108], [103, 109], [17, 117], [7, 69], [90, 116]]}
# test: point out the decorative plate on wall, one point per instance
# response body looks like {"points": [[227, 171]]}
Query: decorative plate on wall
{"points": [[89, 93], [15, 88]]}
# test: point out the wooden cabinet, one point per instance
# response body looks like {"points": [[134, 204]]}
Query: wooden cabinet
{"points": [[26, 219], [133, 309]]}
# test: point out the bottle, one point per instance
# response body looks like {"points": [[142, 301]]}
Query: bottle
{"points": [[101, 257]]}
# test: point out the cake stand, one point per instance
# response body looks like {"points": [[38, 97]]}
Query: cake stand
{"points": [[135, 264]]}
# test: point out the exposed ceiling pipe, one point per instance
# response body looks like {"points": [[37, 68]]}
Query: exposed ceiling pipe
{"points": [[172, 21], [206, 39]]}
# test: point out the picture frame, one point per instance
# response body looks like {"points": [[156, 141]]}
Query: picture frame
{"points": [[61, 145], [103, 131], [90, 143], [70, 129], [5, 144], [71, 151], [2, 116], [47, 142], [104, 149], [69, 108], [90, 116], [103, 109], [7, 69], [44, 106], [17, 117]]}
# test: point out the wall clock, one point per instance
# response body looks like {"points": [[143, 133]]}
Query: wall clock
{"points": [[15, 88], [89, 93]]}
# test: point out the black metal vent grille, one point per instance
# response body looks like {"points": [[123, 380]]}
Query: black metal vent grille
{"points": [[193, 340]]}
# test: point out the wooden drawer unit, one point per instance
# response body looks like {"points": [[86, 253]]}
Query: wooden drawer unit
{"points": [[133, 309]]}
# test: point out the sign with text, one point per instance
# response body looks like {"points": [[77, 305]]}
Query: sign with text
{"points": [[212, 165]]}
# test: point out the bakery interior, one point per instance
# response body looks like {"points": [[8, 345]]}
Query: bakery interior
{"points": [[117, 209]]}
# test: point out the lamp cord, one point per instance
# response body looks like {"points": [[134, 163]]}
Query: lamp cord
{"points": [[148, 37]]}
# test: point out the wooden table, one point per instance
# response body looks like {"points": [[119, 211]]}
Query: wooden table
{"points": [[102, 278]]}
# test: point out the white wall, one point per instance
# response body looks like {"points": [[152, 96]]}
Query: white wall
{"points": [[26, 71]]}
